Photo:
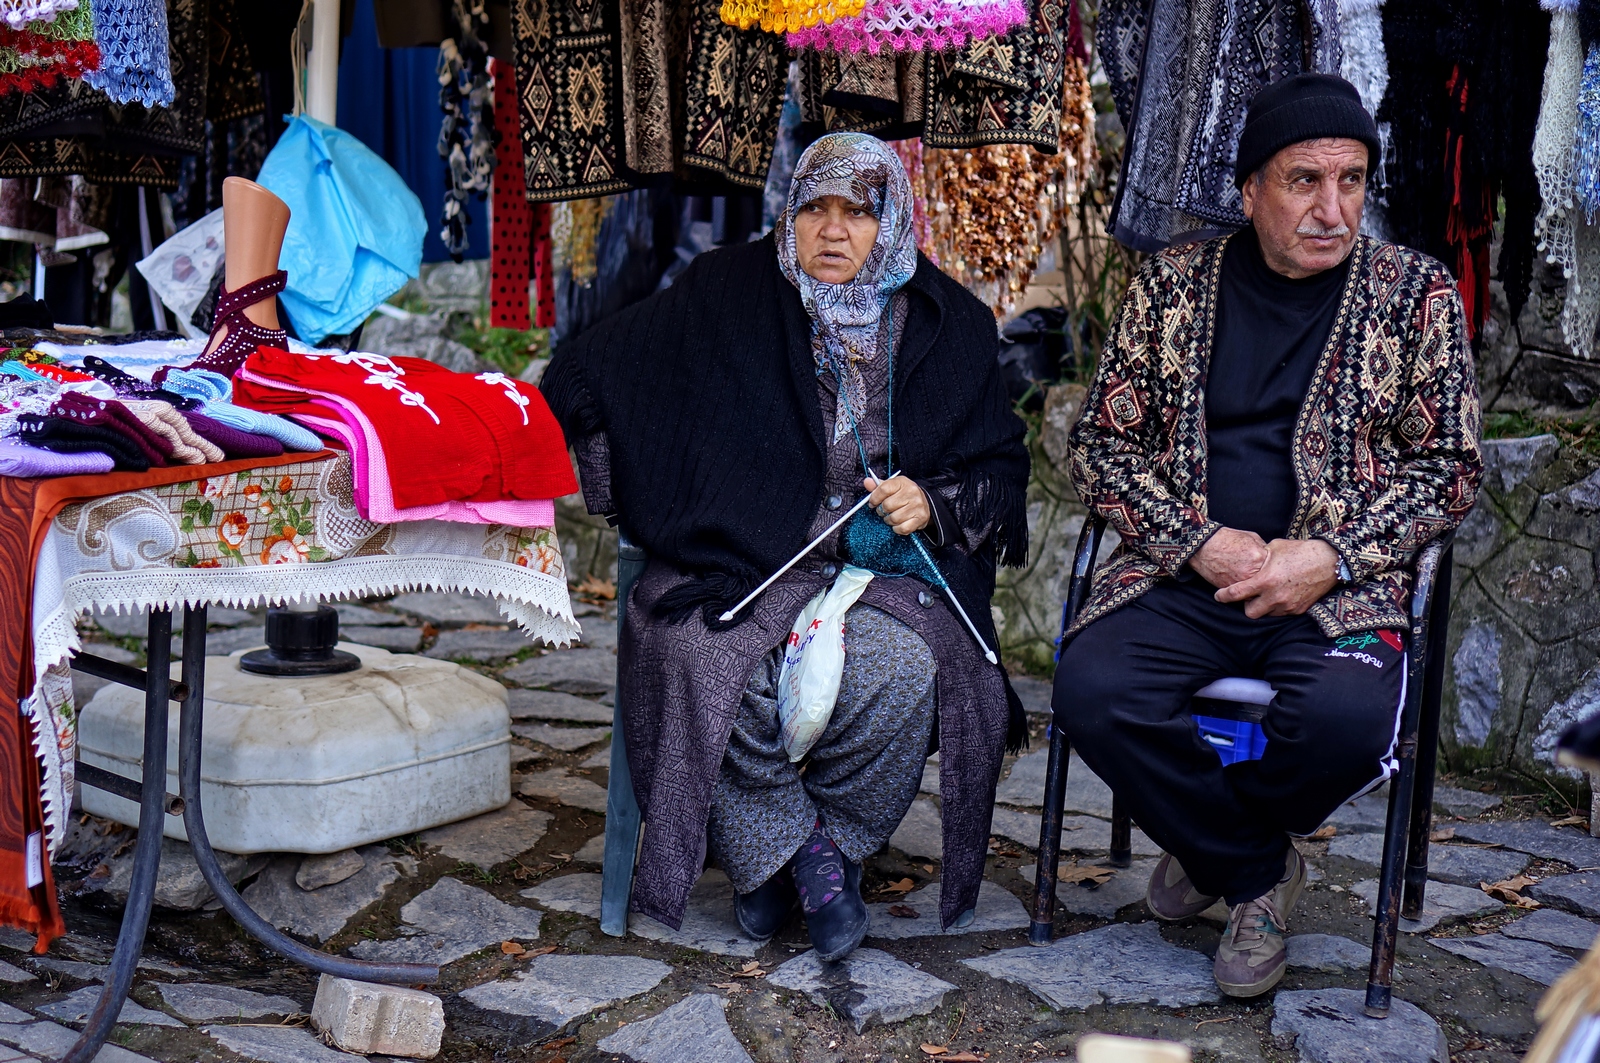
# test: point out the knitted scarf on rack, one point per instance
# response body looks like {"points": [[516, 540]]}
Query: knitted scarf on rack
{"points": [[1365, 64], [134, 62], [707, 393], [1470, 83], [467, 135], [1565, 236], [1202, 63]]}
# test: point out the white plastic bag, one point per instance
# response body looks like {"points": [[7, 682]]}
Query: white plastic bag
{"points": [[180, 270], [813, 662]]}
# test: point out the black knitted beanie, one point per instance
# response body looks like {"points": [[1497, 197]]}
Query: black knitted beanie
{"points": [[1302, 107]]}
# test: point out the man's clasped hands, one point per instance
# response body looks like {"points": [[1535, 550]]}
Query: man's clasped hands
{"points": [[1282, 578]]}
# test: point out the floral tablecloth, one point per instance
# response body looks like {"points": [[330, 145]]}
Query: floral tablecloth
{"points": [[263, 536]]}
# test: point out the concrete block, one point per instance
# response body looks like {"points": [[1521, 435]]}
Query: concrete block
{"points": [[365, 1017]]}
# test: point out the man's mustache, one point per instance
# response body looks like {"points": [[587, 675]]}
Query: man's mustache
{"points": [[1320, 232]]}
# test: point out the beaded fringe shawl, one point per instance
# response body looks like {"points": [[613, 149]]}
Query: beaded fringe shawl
{"points": [[914, 25], [991, 211], [786, 16]]}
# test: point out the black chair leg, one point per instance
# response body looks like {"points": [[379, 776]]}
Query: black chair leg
{"points": [[1042, 929], [1121, 835], [147, 851], [1403, 787], [1416, 894]]}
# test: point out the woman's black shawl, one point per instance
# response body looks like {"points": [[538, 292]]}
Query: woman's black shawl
{"points": [[707, 394]]}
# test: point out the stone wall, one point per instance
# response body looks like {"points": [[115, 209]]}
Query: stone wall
{"points": [[1525, 627]]}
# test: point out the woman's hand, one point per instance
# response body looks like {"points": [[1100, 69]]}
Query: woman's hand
{"points": [[900, 503]]}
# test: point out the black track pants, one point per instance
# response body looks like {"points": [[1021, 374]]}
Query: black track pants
{"points": [[1122, 692]]}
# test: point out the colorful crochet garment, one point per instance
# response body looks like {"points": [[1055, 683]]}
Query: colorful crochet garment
{"points": [[913, 25], [18, 13], [134, 62], [787, 16], [41, 53]]}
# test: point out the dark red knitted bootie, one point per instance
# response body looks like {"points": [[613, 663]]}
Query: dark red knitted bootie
{"points": [[244, 335]]}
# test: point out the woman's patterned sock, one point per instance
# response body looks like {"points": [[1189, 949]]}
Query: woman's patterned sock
{"points": [[818, 871]]}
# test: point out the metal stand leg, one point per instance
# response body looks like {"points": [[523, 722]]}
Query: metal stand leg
{"points": [[189, 733], [147, 853], [1042, 929], [623, 817]]}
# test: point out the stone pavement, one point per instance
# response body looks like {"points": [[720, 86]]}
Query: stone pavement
{"points": [[508, 903]]}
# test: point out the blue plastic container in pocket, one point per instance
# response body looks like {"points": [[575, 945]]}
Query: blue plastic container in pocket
{"points": [[1234, 740]]}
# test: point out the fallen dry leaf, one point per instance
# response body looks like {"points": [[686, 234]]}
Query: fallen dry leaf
{"points": [[732, 987], [964, 1057], [561, 856], [1572, 821], [934, 1050], [511, 948], [1510, 891], [1442, 835], [1324, 832], [905, 885], [551, 1046], [593, 587], [1074, 873], [904, 911], [545, 951], [751, 970], [928, 868]]}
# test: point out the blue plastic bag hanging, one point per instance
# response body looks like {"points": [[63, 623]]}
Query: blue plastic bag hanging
{"points": [[355, 229]]}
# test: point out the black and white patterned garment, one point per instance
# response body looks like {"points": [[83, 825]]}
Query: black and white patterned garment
{"points": [[1203, 61]]}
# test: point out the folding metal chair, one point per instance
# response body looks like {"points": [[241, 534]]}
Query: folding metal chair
{"points": [[1403, 880]]}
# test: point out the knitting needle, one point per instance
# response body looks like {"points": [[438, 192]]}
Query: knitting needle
{"points": [[944, 585], [796, 559]]}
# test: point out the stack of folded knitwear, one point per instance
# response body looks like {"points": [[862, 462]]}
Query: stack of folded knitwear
{"points": [[61, 421], [426, 443]]}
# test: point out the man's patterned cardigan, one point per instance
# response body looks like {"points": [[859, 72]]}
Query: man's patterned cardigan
{"points": [[1385, 449]]}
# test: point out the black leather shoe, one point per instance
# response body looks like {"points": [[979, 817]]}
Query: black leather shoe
{"points": [[763, 911], [838, 926]]}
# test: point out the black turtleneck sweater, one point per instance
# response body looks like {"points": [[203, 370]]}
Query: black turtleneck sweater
{"points": [[1269, 338]]}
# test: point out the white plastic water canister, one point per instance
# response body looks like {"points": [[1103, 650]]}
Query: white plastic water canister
{"points": [[320, 764]]}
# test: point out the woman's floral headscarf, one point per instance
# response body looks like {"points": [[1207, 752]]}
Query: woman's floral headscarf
{"points": [[848, 319]]}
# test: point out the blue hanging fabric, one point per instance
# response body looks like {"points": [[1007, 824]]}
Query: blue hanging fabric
{"points": [[355, 229], [135, 65], [1586, 147]]}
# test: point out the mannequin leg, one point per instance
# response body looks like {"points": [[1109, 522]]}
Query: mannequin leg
{"points": [[253, 221]]}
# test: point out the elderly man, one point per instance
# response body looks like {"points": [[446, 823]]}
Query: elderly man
{"points": [[1280, 420]]}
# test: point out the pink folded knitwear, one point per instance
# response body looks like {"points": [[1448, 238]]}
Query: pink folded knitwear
{"points": [[374, 495]]}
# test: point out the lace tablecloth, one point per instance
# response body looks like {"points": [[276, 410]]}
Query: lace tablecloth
{"points": [[263, 536]]}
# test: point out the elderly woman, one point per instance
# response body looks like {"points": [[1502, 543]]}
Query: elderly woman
{"points": [[724, 424]]}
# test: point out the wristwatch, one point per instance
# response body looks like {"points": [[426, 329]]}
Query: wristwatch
{"points": [[1344, 573]]}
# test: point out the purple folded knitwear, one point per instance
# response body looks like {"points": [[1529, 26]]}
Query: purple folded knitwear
{"points": [[231, 441], [19, 459], [111, 414]]}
